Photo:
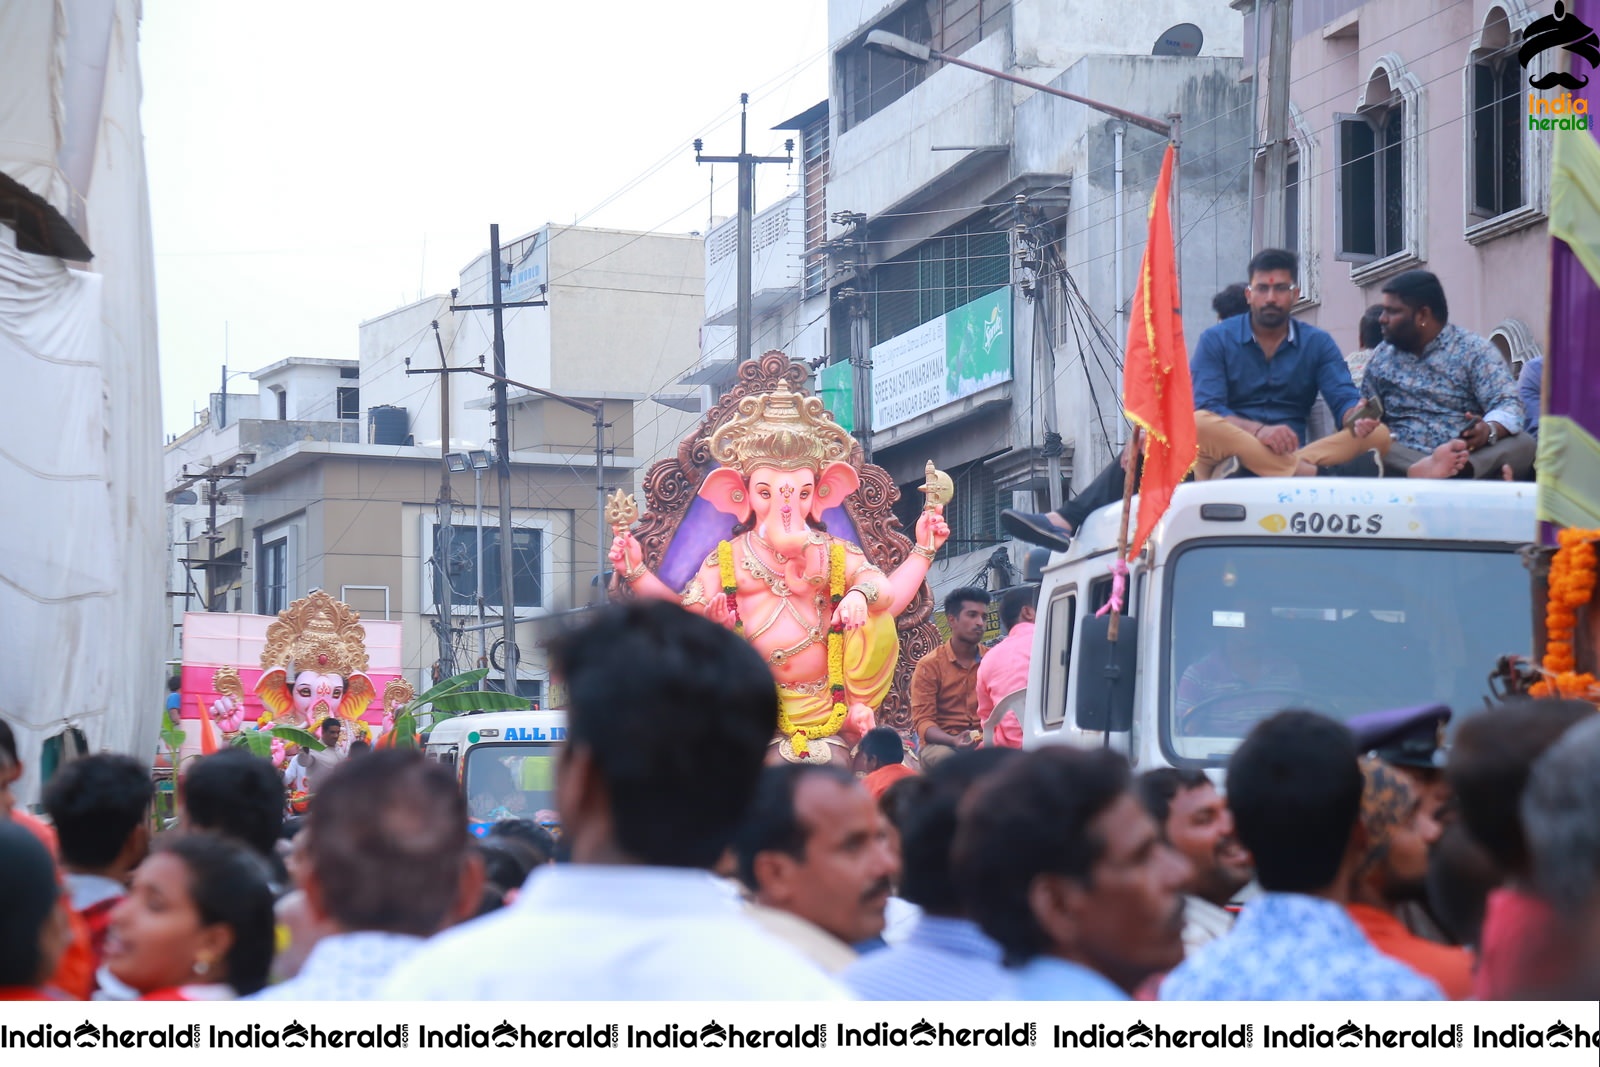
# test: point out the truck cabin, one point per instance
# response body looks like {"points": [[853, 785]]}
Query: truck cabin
{"points": [[1253, 597]]}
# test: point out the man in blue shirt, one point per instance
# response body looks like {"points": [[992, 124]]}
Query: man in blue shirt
{"points": [[1060, 864], [1256, 377], [1294, 787]]}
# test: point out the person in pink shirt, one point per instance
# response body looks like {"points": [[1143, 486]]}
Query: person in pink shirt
{"points": [[1004, 670]]}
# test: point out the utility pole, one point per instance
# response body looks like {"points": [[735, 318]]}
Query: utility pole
{"points": [[212, 476], [747, 206], [502, 429], [444, 539], [1272, 235]]}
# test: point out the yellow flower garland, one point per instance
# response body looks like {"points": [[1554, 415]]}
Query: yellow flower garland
{"points": [[1571, 586], [730, 583]]}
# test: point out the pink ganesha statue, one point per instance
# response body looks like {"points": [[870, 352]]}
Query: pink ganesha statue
{"points": [[821, 613], [313, 667]]}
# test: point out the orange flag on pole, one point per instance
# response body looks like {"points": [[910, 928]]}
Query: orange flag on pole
{"points": [[208, 735], [1157, 394]]}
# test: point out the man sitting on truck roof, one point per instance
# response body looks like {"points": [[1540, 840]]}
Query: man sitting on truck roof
{"points": [[1256, 379], [1440, 384]]}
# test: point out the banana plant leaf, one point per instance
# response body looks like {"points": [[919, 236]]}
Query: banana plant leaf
{"points": [[455, 703], [293, 735], [256, 742]]}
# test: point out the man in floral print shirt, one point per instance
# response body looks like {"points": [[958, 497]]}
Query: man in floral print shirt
{"points": [[1439, 382]]}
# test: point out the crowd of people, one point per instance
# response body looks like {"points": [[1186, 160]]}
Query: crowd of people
{"points": [[1343, 861]]}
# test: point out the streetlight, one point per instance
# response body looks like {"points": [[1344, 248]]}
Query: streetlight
{"points": [[892, 44], [478, 460]]}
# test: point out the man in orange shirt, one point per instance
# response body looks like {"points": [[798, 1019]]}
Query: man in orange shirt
{"points": [[1400, 829], [944, 685]]}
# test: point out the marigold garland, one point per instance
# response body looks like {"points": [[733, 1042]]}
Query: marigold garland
{"points": [[800, 736], [730, 584], [1571, 586]]}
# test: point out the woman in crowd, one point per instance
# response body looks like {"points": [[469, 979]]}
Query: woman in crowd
{"points": [[34, 927], [197, 923]]}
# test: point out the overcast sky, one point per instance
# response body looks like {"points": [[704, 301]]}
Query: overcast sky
{"points": [[315, 164]]}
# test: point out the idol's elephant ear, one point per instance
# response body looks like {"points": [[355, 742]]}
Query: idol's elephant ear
{"points": [[727, 492], [273, 689], [838, 481]]}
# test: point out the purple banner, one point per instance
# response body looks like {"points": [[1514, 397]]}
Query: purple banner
{"points": [[1572, 369]]}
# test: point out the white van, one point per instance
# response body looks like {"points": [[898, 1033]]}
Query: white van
{"points": [[1256, 594], [504, 760]]}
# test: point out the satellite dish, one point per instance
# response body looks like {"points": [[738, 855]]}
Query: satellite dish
{"points": [[1184, 39]]}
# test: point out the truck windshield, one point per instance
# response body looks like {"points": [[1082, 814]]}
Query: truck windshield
{"points": [[509, 781], [1255, 628]]}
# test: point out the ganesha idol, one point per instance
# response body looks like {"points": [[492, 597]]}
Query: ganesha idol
{"points": [[313, 667], [820, 612]]}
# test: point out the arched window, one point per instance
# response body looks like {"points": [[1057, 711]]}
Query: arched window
{"points": [[1506, 165], [1516, 343], [1380, 165]]}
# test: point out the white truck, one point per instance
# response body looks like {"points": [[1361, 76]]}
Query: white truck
{"points": [[1256, 594], [504, 760]]}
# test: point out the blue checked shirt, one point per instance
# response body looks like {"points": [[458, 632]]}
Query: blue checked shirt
{"points": [[940, 959], [1288, 946], [1426, 398]]}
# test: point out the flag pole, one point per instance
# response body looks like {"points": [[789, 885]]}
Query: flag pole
{"points": [[1131, 475]]}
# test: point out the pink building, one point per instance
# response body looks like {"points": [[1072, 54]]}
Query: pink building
{"points": [[1410, 147]]}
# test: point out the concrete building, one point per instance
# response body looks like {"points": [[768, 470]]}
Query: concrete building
{"points": [[329, 477], [1411, 148], [995, 234]]}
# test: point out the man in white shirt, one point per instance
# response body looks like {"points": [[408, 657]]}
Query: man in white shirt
{"points": [[668, 720], [1193, 819], [387, 861]]}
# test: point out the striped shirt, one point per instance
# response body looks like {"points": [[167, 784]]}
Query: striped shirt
{"points": [[940, 959]]}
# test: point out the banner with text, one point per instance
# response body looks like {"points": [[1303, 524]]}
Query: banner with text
{"points": [[1043, 1033], [955, 355]]}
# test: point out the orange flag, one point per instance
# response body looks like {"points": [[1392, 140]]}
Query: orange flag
{"points": [[1157, 394], [208, 735]]}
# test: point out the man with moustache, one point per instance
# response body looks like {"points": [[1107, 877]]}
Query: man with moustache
{"points": [[1440, 384], [1256, 378], [1058, 862], [1194, 820], [815, 855], [1400, 831]]}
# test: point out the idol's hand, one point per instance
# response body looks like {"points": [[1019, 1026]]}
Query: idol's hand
{"points": [[932, 530], [851, 614], [228, 713], [627, 555], [719, 612]]}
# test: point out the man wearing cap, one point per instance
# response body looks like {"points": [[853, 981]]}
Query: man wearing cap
{"points": [[1400, 831], [1412, 741]]}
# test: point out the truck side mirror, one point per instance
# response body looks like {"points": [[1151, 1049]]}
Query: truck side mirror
{"points": [[1105, 675]]}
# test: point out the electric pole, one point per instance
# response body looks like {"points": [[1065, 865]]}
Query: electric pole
{"points": [[1272, 235], [747, 207], [444, 538], [502, 429]]}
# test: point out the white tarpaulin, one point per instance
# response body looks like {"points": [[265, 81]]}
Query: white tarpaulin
{"points": [[82, 553]]}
